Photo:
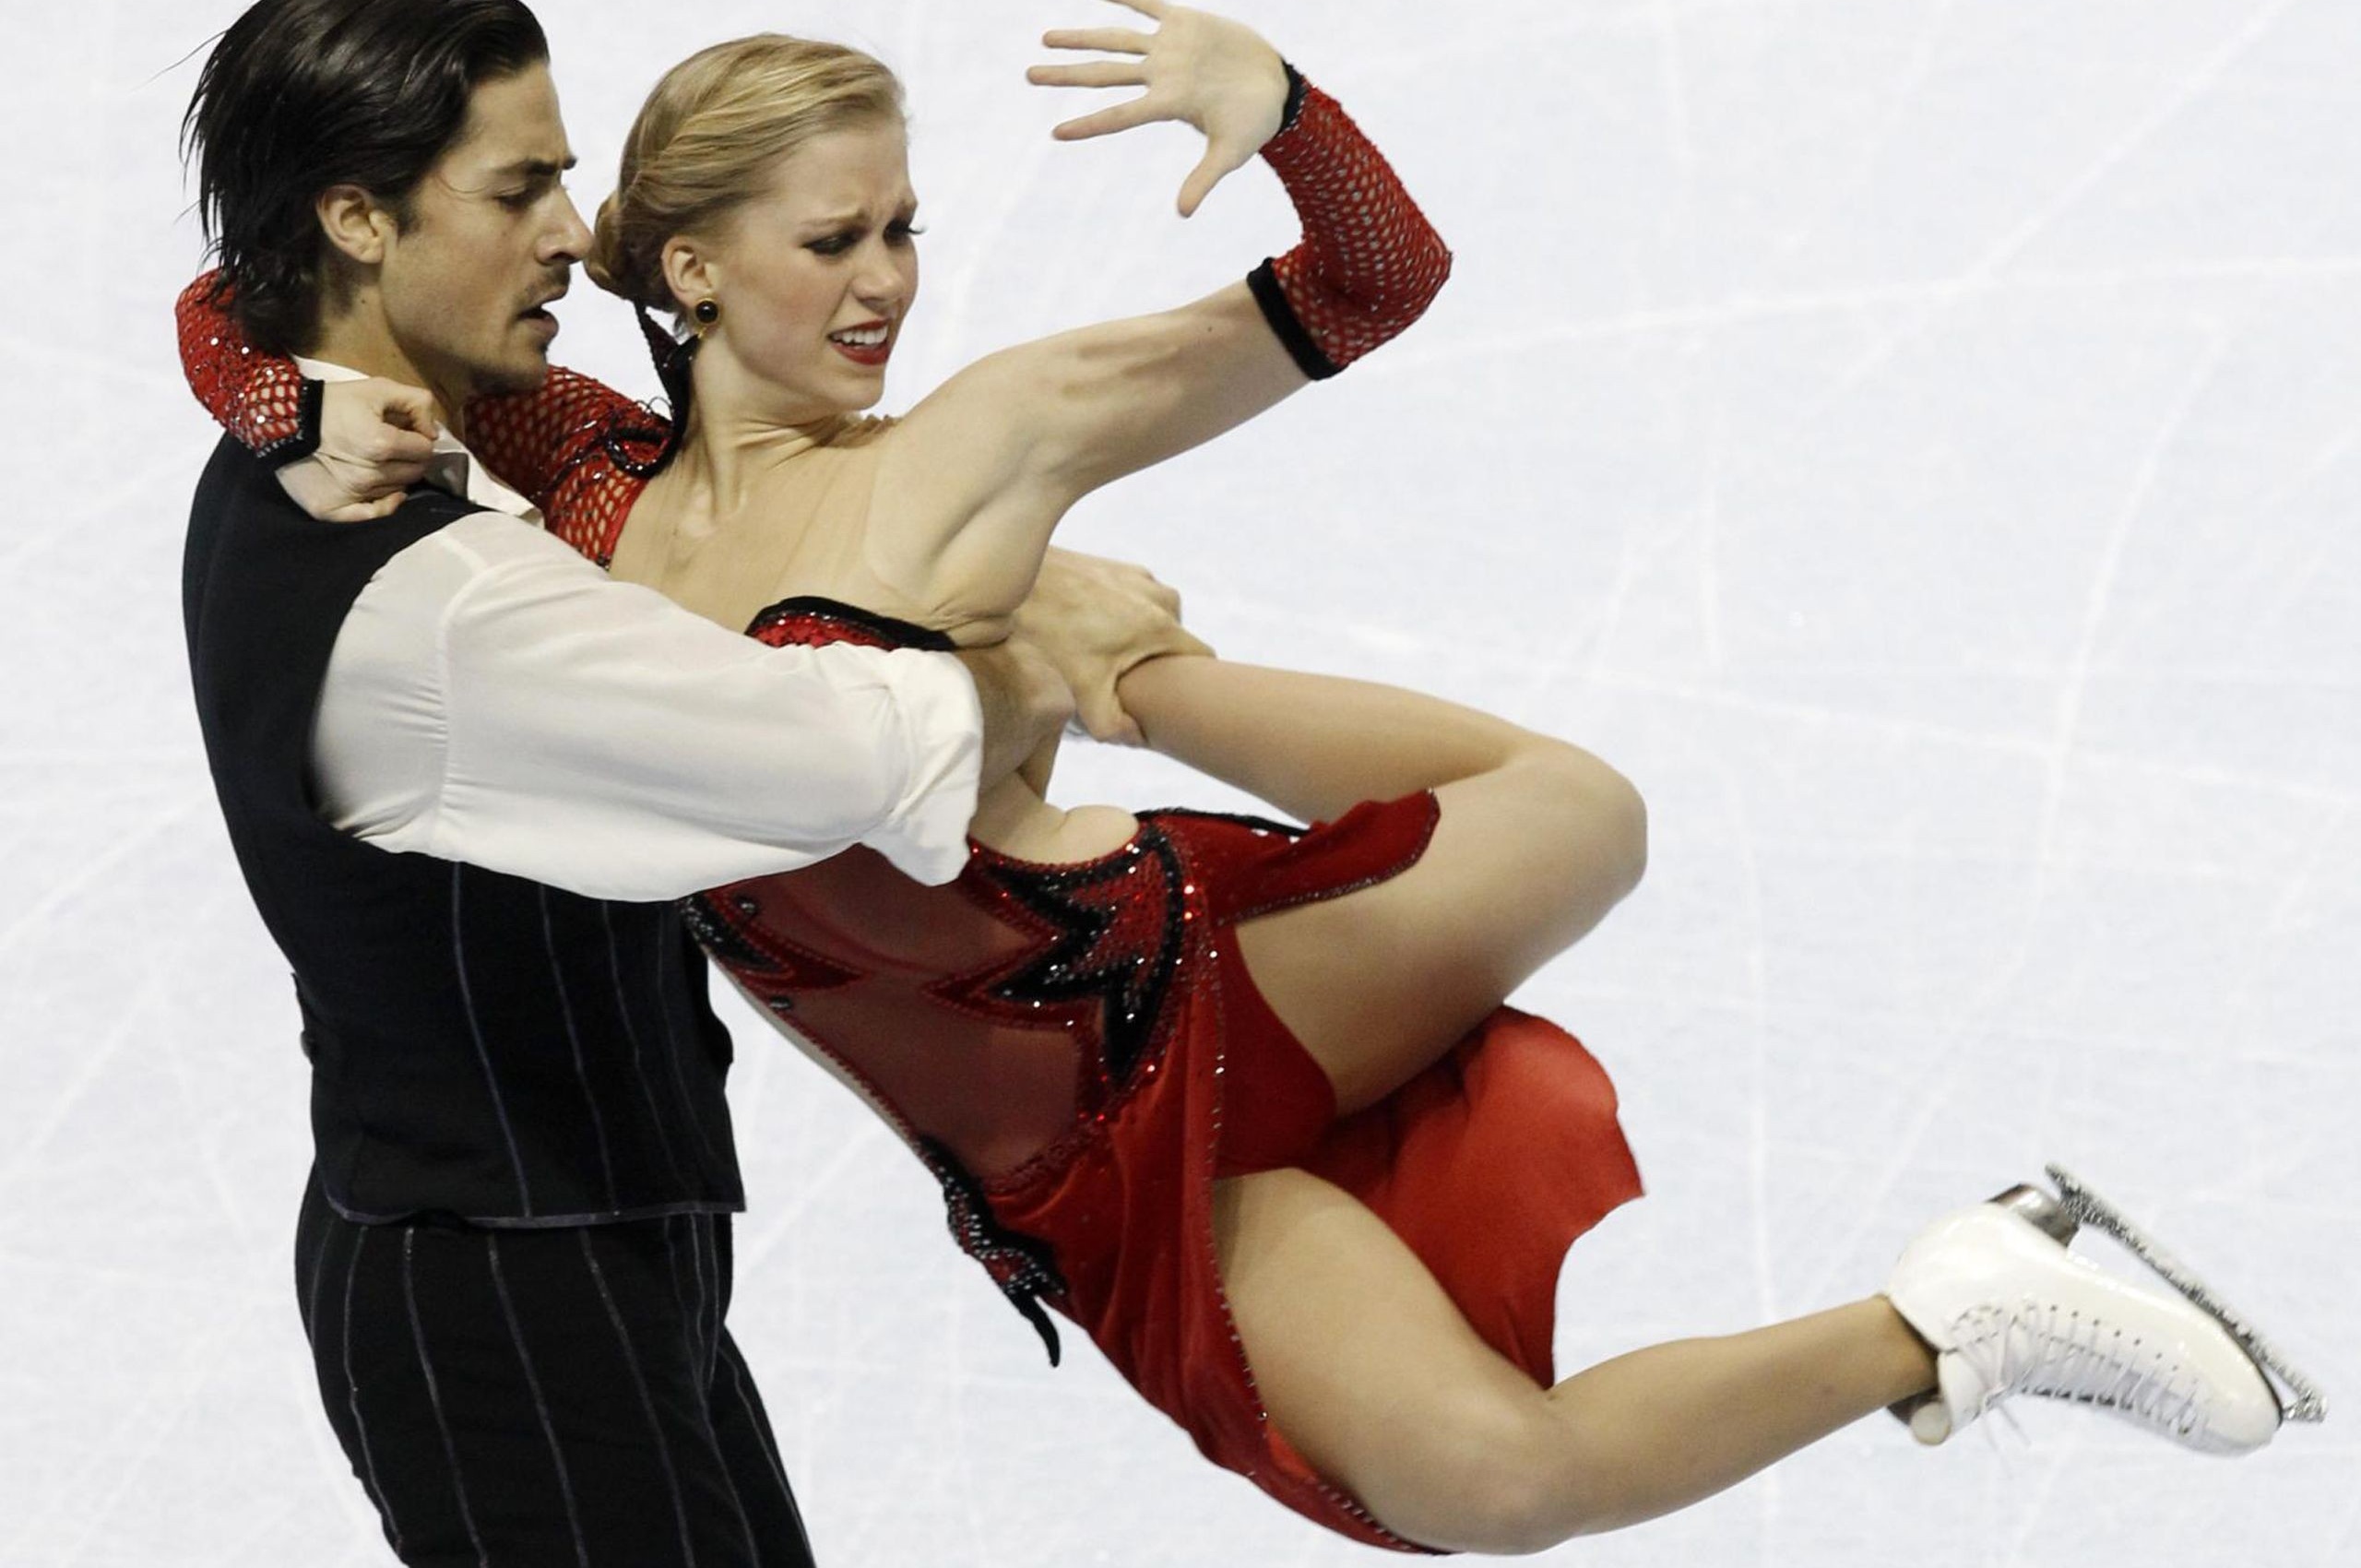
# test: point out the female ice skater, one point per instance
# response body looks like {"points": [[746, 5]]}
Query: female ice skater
{"points": [[1240, 1098]]}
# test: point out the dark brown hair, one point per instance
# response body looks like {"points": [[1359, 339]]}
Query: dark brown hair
{"points": [[300, 95]]}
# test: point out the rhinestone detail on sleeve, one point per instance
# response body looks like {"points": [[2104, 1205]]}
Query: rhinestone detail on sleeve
{"points": [[261, 399]]}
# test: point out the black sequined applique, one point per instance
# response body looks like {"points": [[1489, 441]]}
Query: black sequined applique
{"points": [[1263, 826], [1112, 946], [672, 358], [717, 934], [640, 447], [728, 923], [1024, 1268]]}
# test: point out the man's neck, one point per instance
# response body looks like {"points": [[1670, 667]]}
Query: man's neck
{"points": [[359, 340]]}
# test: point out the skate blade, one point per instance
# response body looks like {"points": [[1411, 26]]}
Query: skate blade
{"points": [[2299, 1397]]}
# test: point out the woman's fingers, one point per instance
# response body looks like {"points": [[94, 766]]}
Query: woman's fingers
{"points": [[1107, 122], [1098, 73], [342, 481], [1103, 717], [366, 511], [315, 486], [1222, 159], [411, 408], [1106, 41], [394, 447], [376, 439], [1202, 180]]}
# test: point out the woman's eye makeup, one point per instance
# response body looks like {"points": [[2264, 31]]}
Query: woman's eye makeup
{"points": [[836, 245]]}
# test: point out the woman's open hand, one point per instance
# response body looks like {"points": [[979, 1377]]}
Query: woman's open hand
{"points": [[1204, 70]]}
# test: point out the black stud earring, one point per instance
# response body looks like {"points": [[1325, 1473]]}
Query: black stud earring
{"points": [[707, 312]]}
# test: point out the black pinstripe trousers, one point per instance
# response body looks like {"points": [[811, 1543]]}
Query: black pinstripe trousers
{"points": [[512, 1398]]}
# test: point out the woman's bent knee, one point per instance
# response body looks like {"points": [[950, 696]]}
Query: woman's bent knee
{"points": [[1597, 813], [1495, 1481]]}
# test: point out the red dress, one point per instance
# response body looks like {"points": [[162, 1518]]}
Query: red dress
{"points": [[1078, 1053]]}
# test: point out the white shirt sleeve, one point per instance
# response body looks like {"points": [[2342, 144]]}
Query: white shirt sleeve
{"points": [[493, 697]]}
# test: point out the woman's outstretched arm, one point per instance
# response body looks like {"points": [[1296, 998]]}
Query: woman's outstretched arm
{"points": [[1000, 452]]}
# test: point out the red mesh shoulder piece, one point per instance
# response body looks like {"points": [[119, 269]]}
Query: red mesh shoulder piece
{"points": [[261, 399], [1369, 263], [571, 446]]}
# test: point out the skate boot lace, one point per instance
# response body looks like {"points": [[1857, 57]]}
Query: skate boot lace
{"points": [[2054, 1353]]}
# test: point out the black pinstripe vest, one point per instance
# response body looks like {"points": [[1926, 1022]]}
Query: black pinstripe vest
{"points": [[480, 1045]]}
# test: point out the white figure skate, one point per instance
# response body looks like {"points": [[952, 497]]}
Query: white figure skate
{"points": [[2008, 1310]]}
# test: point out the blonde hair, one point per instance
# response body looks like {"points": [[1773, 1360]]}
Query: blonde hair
{"points": [[707, 137]]}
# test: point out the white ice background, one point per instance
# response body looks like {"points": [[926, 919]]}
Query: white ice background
{"points": [[1919, 441]]}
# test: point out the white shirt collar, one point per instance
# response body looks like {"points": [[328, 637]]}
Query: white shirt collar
{"points": [[453, 467]]}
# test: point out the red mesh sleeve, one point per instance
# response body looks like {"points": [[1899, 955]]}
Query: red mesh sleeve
{"points": [[1369, 263], [560, 446], [262, 400]]}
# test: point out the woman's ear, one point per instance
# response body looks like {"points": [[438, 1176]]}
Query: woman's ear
{"points": [[354, 223], [690, 272]]}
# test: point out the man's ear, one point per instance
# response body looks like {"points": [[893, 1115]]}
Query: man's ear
{"points": [[355, 224], [690, 271]]}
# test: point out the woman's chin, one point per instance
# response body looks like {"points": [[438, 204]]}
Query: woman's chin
{"points": [[857, 398]]}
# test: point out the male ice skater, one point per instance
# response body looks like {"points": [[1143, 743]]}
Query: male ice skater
{"points": [[466, 774]]}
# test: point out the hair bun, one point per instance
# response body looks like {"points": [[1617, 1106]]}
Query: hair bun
{"points": [[605, 264]]}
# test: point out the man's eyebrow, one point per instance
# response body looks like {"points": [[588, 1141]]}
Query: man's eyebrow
{"points": [[537, 168]]}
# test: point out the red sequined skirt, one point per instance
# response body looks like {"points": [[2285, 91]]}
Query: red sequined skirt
{"points": [[1488, 1165]]}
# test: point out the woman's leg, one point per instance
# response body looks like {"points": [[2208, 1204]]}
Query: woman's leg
{"points": [[1362, 1361], [1538, 840], [1368, 1369]]}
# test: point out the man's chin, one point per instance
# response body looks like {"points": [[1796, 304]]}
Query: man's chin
{"points": [[522, 374]]}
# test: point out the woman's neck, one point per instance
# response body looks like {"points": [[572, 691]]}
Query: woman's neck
{"points": [[742, 431]]}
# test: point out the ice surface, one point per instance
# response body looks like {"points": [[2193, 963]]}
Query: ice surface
{"points": [[1919, 441]]}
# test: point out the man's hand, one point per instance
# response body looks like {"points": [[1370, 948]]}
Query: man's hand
{"points": [[375, 437], [1095, 619], [1026, 702]]}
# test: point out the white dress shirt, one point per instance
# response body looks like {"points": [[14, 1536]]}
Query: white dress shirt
{"points": [[494, 698]]}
